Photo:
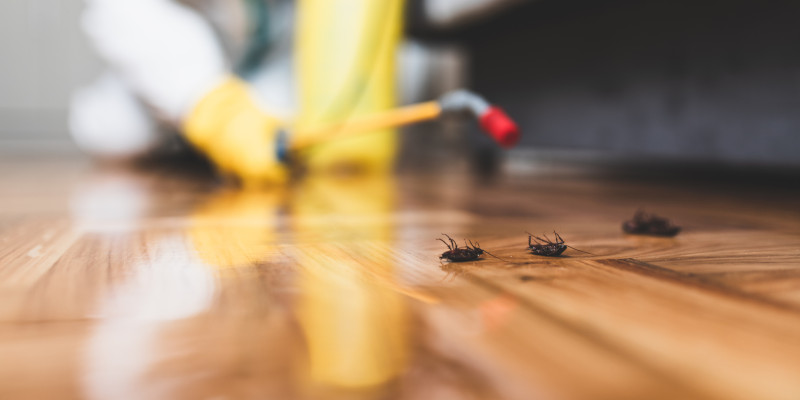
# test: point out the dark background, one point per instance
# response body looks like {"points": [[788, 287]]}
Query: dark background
{"points": [[714, 81]]}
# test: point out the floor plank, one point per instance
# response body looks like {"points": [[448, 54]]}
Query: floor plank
{"points": [[158, 281]]}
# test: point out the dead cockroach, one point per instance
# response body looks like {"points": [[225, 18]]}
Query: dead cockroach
{"points": [[650, 224], [470, 251], [548, 248]]}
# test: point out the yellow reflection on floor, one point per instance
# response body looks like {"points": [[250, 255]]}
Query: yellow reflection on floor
{"points": [[355, 324], [237, 228]]}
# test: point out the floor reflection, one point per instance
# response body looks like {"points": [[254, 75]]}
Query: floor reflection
{"points": [[237, 228], [126, 343], [273, 293], [355, 325]]}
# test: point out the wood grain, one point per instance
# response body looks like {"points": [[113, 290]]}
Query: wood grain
{"points": [[159, 282]]}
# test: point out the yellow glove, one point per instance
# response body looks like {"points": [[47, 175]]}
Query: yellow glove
{"points": [[236, 134]]}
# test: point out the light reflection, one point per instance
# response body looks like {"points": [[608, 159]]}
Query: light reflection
{"points": [[351, 314], [124, 345], [110, 200], [355, 323]]}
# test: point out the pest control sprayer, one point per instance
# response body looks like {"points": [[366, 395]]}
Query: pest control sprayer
{"points": [[494, 121]]}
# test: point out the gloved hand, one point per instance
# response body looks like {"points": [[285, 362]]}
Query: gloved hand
{"points": [[230, 128], [169, 56]]}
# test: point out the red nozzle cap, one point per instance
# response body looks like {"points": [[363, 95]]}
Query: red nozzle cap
{"points": [[500, 127]]}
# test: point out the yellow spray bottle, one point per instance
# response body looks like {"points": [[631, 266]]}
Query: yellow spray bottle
{"points": [[346, 68]]}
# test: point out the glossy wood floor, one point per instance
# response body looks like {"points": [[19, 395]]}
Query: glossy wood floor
{"points": [[155, 283]]}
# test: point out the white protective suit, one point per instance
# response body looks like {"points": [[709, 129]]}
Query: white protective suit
{"points": [[164, 55]]}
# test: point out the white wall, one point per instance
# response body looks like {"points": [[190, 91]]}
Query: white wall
{"points": [[43, 56]]}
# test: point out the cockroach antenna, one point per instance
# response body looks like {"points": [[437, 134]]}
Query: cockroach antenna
{"points": [[562, 241], [591, 254], [499, 258], [477, 245], [559, 239]]}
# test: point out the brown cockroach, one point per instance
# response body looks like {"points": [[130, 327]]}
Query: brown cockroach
{"points": [[650, 224], [470, 251], [548, 248]]}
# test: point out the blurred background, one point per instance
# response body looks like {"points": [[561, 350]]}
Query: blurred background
{"points": [[699, 81], [43, 57]]}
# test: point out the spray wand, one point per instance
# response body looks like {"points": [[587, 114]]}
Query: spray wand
{"points": [[493, 120]]}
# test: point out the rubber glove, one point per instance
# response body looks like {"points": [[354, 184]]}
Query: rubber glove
{"points": [[229, 127], [171, 58]]}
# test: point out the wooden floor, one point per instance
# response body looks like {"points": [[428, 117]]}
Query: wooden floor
{"points": [[154, 283]]}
